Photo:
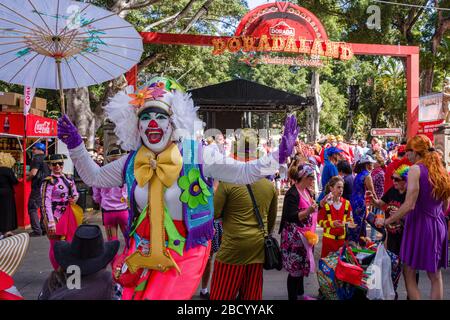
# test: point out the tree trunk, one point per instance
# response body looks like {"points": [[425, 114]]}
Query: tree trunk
{"points": [[203, 10], [374, 112], [442, 26], [109, 138], [349, 127], [314, 115], [180, 16], [79, 112]]}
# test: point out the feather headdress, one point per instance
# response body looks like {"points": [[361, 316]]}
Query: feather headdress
{"points": [[162, 93]]}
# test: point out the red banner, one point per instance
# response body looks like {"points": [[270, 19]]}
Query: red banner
{"points": [[281, 19], [428, 128], [14, 124], [386, 132]]}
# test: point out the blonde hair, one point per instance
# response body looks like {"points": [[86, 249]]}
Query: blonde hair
{"points": [[380, 159], [437, 175], [7, 160]]}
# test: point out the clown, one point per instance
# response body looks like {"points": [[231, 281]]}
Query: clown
{"points": [[169, 175]]}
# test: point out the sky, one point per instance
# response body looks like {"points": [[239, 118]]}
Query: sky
{"points": [[254, 3]]}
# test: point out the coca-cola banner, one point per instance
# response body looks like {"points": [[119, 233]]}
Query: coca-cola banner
{"points": [[14, 124], [41, 127]]}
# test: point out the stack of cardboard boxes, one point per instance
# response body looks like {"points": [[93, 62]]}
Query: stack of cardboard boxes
{"points": [[14, 102]]}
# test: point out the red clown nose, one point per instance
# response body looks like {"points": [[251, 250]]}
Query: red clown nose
{"points": [[153, 124]]}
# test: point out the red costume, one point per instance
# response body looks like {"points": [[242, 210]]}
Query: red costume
{"points": [[322, 152], [334, 237], [348, 152]]}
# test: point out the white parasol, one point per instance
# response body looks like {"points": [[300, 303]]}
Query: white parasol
{"points": [[62, 44]]}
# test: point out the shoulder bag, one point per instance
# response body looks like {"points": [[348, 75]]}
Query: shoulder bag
{"points": [[272, 252]]}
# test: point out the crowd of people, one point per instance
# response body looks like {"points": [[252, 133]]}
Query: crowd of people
{"points": [[178, 213], [404, 189]]}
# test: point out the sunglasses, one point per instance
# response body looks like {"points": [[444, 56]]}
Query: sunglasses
{"points": [[58, 164], [396, 179]]}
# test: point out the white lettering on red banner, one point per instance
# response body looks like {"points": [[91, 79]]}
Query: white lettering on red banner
{"points": [[282, 29], [42, 127], [386, 132]]}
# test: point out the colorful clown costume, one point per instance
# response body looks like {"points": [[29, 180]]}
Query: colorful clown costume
{"points": [[169, 176]]}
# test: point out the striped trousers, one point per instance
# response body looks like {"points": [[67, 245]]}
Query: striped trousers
{"points": [[228, 280]]}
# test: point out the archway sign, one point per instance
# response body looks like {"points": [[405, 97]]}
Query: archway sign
{"points": [[300, 38]]}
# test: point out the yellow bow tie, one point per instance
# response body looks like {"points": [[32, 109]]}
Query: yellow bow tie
{"points": [[167, 165], [162, 170]]}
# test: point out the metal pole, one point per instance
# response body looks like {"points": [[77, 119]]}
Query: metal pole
{"points": [[61, 92]]}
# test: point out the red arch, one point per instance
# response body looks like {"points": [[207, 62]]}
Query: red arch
{"points": [[259, 21], [411, 53]]}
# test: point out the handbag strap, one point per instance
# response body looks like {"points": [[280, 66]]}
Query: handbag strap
{"points": [[256, 209]]}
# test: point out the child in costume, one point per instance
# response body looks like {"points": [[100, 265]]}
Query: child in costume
{"points": [[334, 214], [168, 176], [113, 203], [58, 194]]}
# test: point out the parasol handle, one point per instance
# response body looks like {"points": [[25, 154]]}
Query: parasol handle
{"points": [[61, 92]]}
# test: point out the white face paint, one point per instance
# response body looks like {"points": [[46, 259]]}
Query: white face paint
{"points": [[155, 130]]}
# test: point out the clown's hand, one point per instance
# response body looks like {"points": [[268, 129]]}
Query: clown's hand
{"points": [[68, 133], [288, 140]]}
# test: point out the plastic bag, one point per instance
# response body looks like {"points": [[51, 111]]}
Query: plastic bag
{"points": [[379, 283]]}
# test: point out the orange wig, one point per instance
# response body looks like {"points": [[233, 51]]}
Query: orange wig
{"points": [[438, 176]]}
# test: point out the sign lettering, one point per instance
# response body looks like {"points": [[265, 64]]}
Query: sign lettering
{"points": [[282, 29], [28, 99], [42, 127], [386, 132], [277, 43]]}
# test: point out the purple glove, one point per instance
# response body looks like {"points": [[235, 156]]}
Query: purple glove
{"points": [[68, 133], [288, 140]]}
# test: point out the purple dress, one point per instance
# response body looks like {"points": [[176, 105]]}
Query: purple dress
{"points": [[424, 243]]}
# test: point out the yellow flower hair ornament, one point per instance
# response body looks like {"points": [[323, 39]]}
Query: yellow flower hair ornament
{"points": [[144, 94]]}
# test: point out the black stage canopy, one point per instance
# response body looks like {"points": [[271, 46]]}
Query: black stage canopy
{"points": [[244, 95]]}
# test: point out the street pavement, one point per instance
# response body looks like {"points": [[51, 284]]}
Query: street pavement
{"points": [[36, 268]]}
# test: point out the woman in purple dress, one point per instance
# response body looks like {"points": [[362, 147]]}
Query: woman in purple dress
{"points": [[424, 243]]}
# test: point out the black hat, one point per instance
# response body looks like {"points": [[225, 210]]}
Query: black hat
{"points": [[115, 152], [55, 158], [87, 250]]}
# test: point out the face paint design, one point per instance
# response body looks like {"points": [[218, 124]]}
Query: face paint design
{"points": [[155, 130]]}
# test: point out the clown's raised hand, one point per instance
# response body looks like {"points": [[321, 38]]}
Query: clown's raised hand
{"points": [[288, 140], [68, 133]]}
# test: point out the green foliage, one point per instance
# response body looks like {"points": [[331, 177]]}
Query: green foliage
{"points": [[334, 109]]}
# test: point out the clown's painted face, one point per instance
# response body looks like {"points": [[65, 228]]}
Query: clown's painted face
{"points": [[155, 130]]}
